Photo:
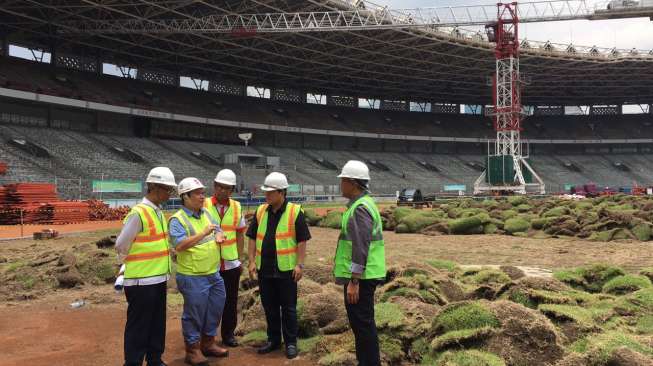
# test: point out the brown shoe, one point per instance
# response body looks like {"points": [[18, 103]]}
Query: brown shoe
{"points": [[194, 355], [211, 349]]}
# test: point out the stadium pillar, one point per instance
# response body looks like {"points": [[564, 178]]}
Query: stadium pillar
{"points": [[5, 47], [49, 115], [98, 66], [53, 55]]}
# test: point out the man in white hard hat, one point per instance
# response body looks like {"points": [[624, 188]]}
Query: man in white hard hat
{"points": [[277, 248], [144, 249], [227, 213], [196, 239], [360, 259]]}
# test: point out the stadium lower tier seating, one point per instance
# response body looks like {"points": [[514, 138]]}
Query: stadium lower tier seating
{"points": [[76, 158]]}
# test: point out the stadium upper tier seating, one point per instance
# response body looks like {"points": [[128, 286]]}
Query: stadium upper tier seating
{"points": [[68, 154]]}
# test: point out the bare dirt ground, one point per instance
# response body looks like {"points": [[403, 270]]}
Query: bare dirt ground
{"points": [[15, 231], [44, 330]]}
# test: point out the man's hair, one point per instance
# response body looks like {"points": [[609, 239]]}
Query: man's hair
{"points": [[362, 184], [284, 191]]}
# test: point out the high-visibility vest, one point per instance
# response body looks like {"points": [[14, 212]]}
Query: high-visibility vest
{"points": [[149, 255], [375, 266], [229, 223], [286, 241], [203, 258]]}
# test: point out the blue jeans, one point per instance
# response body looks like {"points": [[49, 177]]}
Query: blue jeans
{"points": [[204, 298]]}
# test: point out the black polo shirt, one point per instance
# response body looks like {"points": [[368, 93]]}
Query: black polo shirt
{"points": [[269, 267]]}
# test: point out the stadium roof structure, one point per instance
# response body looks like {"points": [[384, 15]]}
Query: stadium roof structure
{"points": [[447, 65]]}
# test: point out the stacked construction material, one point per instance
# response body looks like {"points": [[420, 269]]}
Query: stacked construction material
{"points": [[37, 203], [64, 212], [100, 211]]}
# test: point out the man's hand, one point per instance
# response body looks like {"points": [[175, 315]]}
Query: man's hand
{"points": [[208, 230], [352, 293], [219, 238], [297, 273], [252, 270]]}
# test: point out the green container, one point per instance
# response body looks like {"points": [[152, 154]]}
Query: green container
{"points": [[528, 176], [500, 170]]}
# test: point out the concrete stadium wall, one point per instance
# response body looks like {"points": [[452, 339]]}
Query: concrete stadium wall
{"points": [[317, 142], [343, 143], [396, 146], [420, 146]]}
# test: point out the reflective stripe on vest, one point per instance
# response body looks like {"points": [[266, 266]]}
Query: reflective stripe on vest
{"points": [[229, 224], [375, 266], [204, 257], [149, 254], [285, 238]]}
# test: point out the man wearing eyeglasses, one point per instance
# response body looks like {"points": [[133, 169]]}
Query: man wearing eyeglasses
{"points": [[143, 247], [229, 215]]}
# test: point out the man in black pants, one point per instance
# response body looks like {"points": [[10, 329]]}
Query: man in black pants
{"points": [[144, 248], [360, 259], [277, 247]]}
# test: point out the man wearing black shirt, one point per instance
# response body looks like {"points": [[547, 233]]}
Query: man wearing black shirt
{"points": [[277, 248]]}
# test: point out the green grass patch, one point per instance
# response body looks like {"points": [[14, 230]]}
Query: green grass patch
{"points": [[14, 266], [304, 344], [257, 336], [469, 358], [523, 298], [626, 284], [590, 278], [391, 347], [577, 314], [388, 315], [516, 225], [467, 225], [602, 346], [486, 276], [26, 280], [459, 337], [645, 324], [332, 220], [442, 264], [464, 316]]}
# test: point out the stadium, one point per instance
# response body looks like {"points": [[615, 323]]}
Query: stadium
{"points": [[94, 94]]}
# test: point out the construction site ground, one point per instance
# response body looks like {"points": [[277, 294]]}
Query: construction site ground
{"points": [[39, 327]]}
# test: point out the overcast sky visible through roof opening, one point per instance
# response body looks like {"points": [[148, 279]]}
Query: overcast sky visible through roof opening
{"points": [[620, 33]]}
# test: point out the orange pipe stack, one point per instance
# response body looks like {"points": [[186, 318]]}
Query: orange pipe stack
{"points": [[37, 203]]}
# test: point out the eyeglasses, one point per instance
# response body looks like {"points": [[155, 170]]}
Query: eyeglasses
{"points": [[167, 189]]}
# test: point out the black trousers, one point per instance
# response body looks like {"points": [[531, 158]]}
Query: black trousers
{"points": [[361, 320], [279, 298], [230, 313], [145, 330]]}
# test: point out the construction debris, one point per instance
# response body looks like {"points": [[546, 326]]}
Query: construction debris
{"points": [[100, 211], [46, 234], [37, 203]]}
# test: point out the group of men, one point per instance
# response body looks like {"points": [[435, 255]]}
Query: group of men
{"points": [[206, 238]]}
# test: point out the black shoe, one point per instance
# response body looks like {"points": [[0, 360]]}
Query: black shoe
{"points": [[291, 351], [268, 347], [230, 342]]}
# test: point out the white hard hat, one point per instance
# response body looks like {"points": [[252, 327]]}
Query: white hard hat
{"points": [[274, 181], [189, 184], [355, 169], [226, 176], [161, 175]]}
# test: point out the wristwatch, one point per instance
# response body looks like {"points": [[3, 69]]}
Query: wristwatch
{"points": [[354, 281], [301, 266]]}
